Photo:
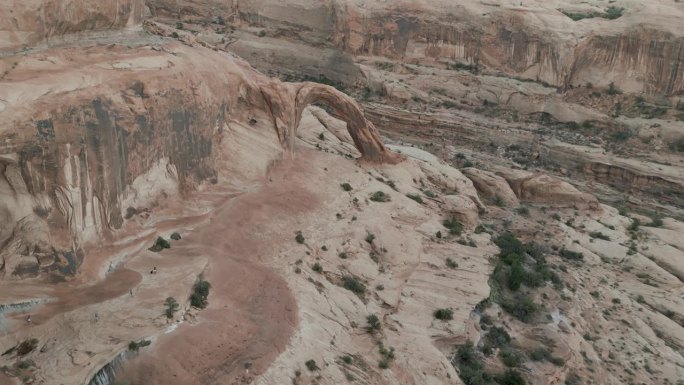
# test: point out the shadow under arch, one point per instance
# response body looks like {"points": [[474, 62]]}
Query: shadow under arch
{"points": [[287, 102]]}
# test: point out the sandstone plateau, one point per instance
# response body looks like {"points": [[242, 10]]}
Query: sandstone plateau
{"points": [[335, 191]]}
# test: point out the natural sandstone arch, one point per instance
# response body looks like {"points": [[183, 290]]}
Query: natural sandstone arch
{"points": [[287, 102]]}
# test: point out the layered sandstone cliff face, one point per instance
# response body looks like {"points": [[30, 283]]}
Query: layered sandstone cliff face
{"points": [[26, 24], [91, 136], [641, 50]]}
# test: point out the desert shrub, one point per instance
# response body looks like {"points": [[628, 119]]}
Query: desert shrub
{"points": [[416, 198], [387, 356], [470, 366], [678, 144], [510, 377], [455, 227], [656, 222], [443, 314], [612, 90], [498, 201], [498, 336], [451, 264], [27, 346], [342, 255], [521, 307], [175, 236], [613, 12], [523, 210], [573, 379], [571, 255], [299, 237], [170, 307], [346, 187], [511, 357], [311, 365], [599, 235], [622, 135], [634, 226], [353, 284], [160, 244], [370, 237], [200, 293], [380, 196], [373, 322], [135, 346], [509, 245], [317, 267]]}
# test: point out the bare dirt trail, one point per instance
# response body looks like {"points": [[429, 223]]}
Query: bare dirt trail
{"points": [[251, 314]]}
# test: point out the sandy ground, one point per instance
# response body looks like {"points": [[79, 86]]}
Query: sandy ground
{"points": [[251, 313]]}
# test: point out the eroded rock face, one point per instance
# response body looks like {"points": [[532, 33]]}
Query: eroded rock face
{"points": [[28, 23], [541, 188], [492, 186], [101, 133], [531, 40]]}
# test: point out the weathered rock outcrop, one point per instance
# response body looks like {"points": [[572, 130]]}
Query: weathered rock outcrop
{"points": [[25, 24], [532, 41], [491, 186], [98, 133], [541, 188]]}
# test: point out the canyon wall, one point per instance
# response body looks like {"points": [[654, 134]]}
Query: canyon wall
{"points": [[92, 136], [26, 24], [531, 41]]}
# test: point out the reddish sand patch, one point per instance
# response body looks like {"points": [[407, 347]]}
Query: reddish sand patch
{"points": [[251, 314]]}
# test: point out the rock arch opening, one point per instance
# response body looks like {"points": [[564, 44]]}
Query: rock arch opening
{"points": [[287, 102]]}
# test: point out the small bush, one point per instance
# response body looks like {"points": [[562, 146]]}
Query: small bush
{"points": [[342, 255], [374, 323], [599, 235], [27, 346], [451, 264], [612, 90], [416, 198], [524, 211], [311, 365], [380, 196], [200, 293], [317, 268], [171, 307], [370, 237], [634, 226], [135, 346], [175, 236], [520, 307], [346, 187], [510, 377], [622, 135], [455, 227], [511, 357], [613, 12], [387, 356], [299, 238], [321, 136], [656, 222], [444, 314], [353, 284], [160, 244], [571, 255], [498, 336]]}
